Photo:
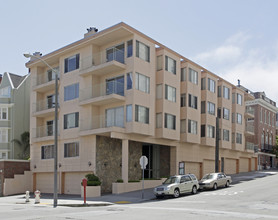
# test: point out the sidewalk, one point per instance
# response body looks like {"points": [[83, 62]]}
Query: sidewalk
{"points": [[123, 198]]}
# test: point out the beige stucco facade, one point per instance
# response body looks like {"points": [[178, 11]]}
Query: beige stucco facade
{"points": [[118, 118]]}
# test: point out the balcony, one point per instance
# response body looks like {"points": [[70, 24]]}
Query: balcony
{"points": [[249, 112], [109, 61], [44, 107], [101, 125], [43, 133], [101, 94], [45, 82], [249, 129], [266, 148]]}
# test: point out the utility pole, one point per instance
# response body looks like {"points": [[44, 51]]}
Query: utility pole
{"points": [[217, 146]]}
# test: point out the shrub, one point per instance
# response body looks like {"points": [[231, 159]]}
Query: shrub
{"points": [[119, 181], [92, 180]]}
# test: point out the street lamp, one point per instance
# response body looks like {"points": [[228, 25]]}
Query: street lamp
{"points": [[55, 195]]}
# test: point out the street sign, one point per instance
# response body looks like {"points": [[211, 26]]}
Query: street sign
{"points": [[143, 162]]}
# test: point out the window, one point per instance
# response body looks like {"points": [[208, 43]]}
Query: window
{"points": [[142, 51], [193, 76], [183, 74], [269, 121], [170, 65], [203, 107], [159, 91], [128, 81], [115, 85], [71, 149], [5, 92], [3, 136], [238, 138], [170, 121], [71, 92], [116, 53], [239, 99], [183, 100], [192, 101], [181, 168], [219, 112], [51, 74], [3, 113], [142, 83], [115, 117], [183, 126], [219, 91], [265, 116], [203, 130], [129, 113], [211, 85], [71, 120], [203, 83], [261, 115], [192, 127], [72, 63], [211, 108], [170, 93], [262, 140], [50, 101], [226, 92], [3, 155], [129, 48], [238, 118], [211, 131], [47, 152], [141, 114], [226, 113], [226, 134], [159, 63], [158, 120], [50, 127]]}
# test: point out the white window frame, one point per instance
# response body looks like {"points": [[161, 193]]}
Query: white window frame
{"points": [[192, 126], [142, 82], [193, 76], [2, 110], [170, 93], [75, 146]]}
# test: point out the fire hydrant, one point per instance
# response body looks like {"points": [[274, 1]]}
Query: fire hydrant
{"points": [[37, 196], [27, 196]]}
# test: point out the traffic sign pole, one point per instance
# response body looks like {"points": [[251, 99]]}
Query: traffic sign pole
{"points": [[143, 179]]}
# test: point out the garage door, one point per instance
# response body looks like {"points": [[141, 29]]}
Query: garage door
{"points": [[230, 166], [73, 182], [209, 166], [45, 182], [243, 165], [193, 168]]}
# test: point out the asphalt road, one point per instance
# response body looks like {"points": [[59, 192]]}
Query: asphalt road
{"points": [[256, 199]]}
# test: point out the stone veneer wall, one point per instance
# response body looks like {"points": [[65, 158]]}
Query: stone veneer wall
{"points": [[134, 168], [108, 161], [164, 161]]}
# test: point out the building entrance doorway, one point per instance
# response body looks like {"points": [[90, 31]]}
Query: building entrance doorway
{"points": [[152, 152]]}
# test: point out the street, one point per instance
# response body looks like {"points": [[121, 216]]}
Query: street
{"points": [[255, 199]]}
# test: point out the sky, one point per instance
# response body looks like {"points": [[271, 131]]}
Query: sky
{"points": [[235, 39]]}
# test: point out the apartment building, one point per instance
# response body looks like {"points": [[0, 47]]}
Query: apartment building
{"points": [[264, 122], [14, 114], [123, 95]]}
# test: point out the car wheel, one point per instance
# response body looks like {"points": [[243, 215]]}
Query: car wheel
{"points": [[194, 190], [215, 186], [176, 193], [227, 183]]}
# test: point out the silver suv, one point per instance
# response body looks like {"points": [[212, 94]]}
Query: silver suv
{"points": [[176, 185]]}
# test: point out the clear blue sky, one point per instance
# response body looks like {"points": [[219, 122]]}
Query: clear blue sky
{"points": [[236, 39]]}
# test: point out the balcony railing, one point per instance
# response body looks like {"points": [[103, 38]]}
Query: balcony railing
{"points": [[101, 122], [103, 57], [44, 131], [250, 110], [45, 78], [111, 87], [44, 104], [266, 148]]}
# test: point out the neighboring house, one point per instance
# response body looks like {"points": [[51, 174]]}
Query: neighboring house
{"points": [[123, 95], [264, 121], [14, 113]]}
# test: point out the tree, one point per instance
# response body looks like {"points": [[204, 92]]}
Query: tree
{"points": [[24, 144]]}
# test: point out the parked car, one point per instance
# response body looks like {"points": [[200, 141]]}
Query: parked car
{"points": [[215, 180], [176, 185]]}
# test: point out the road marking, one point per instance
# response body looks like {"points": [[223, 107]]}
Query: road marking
{"points": [[223, 193]]}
